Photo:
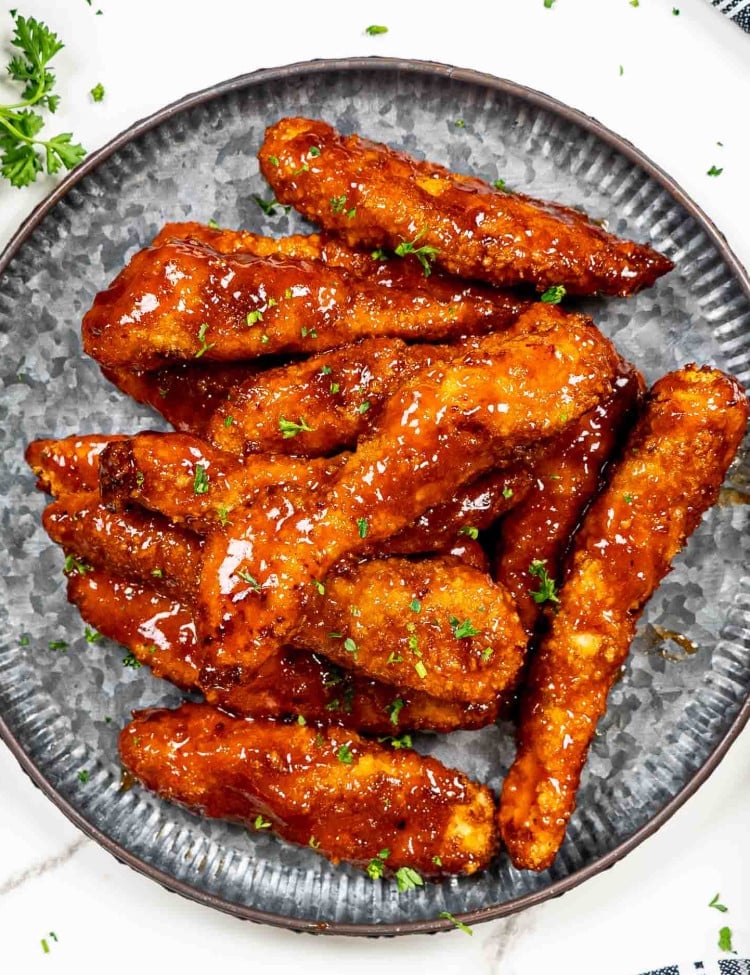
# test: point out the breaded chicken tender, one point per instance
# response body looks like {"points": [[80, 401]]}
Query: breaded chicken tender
{"points": [[375, 196], [348, 798], [670, 472]]}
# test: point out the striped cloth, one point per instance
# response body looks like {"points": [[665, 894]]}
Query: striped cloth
{"points": [[738, 10], [725, 966]]}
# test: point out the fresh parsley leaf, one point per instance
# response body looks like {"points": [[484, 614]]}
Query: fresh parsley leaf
{"points": [[420, 669], [253, 317], [379, 254], [58, 645], [362, 526], [351, 647], [462, 630], [319, 586], [470, 531], [549, 4], [675, 12], [261, 823], [415, 606], [250, 580], [269, 206], [200, 480], [205, 346], [393, 709], [554, 295], [364, 406], [424, 254], [454, 920], [486, 653], [547, 591], [394, 658], [72, 564], [460, 124], [338, 203], [376, 866], [92, 636], [375, 29], [402, 741], [715, 171], [437, 861], [635, 3], [83, 776], [130, 660], [714, 902], [290, 429], [326, 371], [97, 92], [725, 939], [499, 184], [507, 493], [408, 879], [344, 754], [313, 843]]}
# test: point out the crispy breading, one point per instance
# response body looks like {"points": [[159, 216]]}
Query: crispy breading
{"points": [[563, 482], [670, 473], [182, 300], [70, 464], [346, 797], [375, 196], [160, 633], [443, 428]]}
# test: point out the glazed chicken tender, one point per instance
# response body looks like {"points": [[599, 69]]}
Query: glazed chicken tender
{"points": [[670, 473], [375, 196], [328, 788]]}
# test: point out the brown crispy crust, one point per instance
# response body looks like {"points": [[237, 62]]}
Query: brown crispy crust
{"points": [[375, 196]]}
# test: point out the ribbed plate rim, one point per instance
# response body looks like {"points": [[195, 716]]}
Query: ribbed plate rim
{"points": [[539, 100]]}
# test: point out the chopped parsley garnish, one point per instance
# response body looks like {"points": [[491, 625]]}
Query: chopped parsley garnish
{"points": [[274, 160], [301, 720], [486, 653], [205, 346], [351, 214], [415, 606], [319, 586], [376, 866], [714, 902], [424, 254], [374, 29], [394, 658], [627, 498], [437, 861], [362, 527], [499, 184], [470, 531], [97, 92], [72, 564], [269, 206], [402, 741], [351, 647], [675, 12], [408, 879], [554, 295], [725, 939], [130, 660], [253, 317], [635, 3], [303, 169], [200, 480], [338, 203], [507, 493], [715, 171], [290, 429], [92, 636], [379, 254], [344, 754], [326, 371], [364, 406], [547, 591], [228, 421], [454, 920], [420, 669], [622, 71], [549, 4], [314, 152], [250, 580], [58, 645], [223, 514], [22, 155], [24, 640], [334, 387], [460, 124], [304, 332], [261, 823], [213, 225], [462, 630], [393, 709], [313, 843], [83, 776]]}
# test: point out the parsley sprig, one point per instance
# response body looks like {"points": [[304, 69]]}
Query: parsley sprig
{"points": [[425, 254], [22, 155], [547, 591]]}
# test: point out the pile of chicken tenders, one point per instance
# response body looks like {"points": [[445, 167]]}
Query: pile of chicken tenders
{"points": [[406, 490]]}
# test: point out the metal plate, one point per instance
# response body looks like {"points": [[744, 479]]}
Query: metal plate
{"points": [[669, 722]]}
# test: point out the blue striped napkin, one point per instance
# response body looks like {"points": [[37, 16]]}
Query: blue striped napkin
{"points": [[725, 966], [739, 12]]}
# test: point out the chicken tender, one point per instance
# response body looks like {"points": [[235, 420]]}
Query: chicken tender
{"points": [[184, 301], [536, 534], [442, 429], [375, 196], [670, 473], [160, 633], [68, 465], [348, 798]]}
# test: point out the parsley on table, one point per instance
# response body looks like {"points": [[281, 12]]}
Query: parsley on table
{"points": [[290, 429], [424, 254], [92, 636], [549, 4], [130, 660], [454, 920], [374, 29], [714, 902], [58, 645], [547, 591], [22, 155], [376, 866], [200, 480], [408, 879], [554, 295], [83, 776], [725, 939], [715, 171], [97, 92]]}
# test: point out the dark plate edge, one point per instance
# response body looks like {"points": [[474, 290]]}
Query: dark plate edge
{"points": [[587, 123]]}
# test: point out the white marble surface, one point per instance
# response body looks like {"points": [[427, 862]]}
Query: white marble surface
{"points": [[685, 86]]}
